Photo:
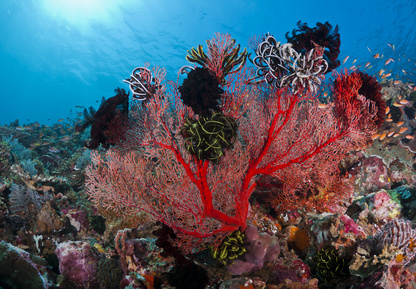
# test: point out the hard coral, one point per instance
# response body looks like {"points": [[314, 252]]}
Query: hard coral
{"points": [[106, 121], [323, 35], [20, 269]]}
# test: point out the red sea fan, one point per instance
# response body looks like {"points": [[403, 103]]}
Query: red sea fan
{"points": [[371, 89], [323, 35], [358, 89]]}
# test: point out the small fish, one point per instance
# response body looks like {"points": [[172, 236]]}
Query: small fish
{"points": [[370, 67], [396, 104], [391, 45], [28, 127], [385, 75], [390, 134], [78, 106], [383, 136], [61, 119], [404, 71], [404, 101], [345, 60], [19, 128], [400, 123], [65, 138], [53, 150], [369, 49], [376, 55], [403, 129], [325, 94], [387, 110], [381, 72], [396, 135], [389, 120], [355, 60], [409, 136], [367, 64], [388, 61], [322, 105], [376, 136], [396, 82]]}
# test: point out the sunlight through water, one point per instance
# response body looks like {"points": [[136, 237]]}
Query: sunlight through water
{"points": [[83, 13]]}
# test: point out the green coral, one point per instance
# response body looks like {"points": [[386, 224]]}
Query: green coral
{"points": [[230, 249], [330, 265], [208, 137]]}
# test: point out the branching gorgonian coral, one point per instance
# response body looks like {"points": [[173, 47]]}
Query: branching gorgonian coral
{"points": [[284, 66]]}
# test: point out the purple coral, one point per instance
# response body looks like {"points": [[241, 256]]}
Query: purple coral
{"points": [[77, 262], [261, 247]]}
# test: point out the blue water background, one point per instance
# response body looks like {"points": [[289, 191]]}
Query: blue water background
{"points": [[52, 61]]}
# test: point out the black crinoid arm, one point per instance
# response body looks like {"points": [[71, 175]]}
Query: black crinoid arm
{"points": [[201, 91]]}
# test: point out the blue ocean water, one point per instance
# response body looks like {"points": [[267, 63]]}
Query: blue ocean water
{"points": [[58, 54]]}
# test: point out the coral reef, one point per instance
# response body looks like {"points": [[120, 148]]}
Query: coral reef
{"points": [[263, 170]]}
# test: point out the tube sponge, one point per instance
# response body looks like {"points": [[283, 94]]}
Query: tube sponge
{"points": [[261, 247]]}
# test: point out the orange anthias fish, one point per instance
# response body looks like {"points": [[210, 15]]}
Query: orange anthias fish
{"points": [[345, 60], [388, 61]]}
